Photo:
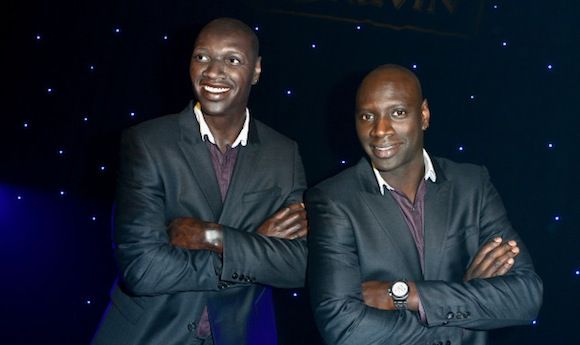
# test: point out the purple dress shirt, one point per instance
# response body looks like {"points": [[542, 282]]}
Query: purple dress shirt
{"points": [[223, 166]]}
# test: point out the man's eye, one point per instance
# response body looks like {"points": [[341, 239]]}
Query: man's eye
{"points": [[399, 113], [367, 117], [201, 58], [234, 61]]}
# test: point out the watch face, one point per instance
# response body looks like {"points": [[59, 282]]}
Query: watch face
{"points": [[400, 289]]}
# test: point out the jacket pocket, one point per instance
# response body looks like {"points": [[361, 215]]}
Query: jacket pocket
{"points": [[263, 195]]}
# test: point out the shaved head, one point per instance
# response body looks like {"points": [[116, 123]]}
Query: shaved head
{"points": [[389, 72], [224, 25]]}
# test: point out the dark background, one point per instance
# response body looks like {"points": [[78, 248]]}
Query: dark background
{"points": [[512, 106]]}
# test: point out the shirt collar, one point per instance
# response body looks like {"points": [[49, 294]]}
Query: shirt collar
{"points": [[205, 132], [429, 174]]}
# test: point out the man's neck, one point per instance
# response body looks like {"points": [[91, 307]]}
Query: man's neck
{"points": [[406, 181], [225, 129]]}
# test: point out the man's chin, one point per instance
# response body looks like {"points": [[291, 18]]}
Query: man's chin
{"points": [[212, 108]]}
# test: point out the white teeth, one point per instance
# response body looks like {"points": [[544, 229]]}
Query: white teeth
{"points": [[216, 89]]}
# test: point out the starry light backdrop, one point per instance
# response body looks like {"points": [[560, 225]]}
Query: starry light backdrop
{"points": [[503, 93]]}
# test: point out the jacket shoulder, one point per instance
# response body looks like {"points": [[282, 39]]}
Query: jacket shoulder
{"points": [[340, 185], [457, 172], [271, 135]]}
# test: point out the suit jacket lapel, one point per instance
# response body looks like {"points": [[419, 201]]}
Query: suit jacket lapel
{"points": [[436, 222], [390, 220], [197, 156], [244, 171]]}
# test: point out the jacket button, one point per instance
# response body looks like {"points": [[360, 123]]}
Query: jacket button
{"points": [[448, 342], [234, 275], [450, 315], [459, 315], [466, 314], [190, 327], [241, 277]]}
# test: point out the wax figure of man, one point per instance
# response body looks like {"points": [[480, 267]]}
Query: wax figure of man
{"points": [[405, 248], [209, 211]]}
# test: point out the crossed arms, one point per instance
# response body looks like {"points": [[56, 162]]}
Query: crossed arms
{"points": [[159, 254], [498, 287]]}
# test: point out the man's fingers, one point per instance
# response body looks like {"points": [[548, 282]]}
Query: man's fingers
{"points": [[503, 269], [292, 217], [494, 262], [297, 230], [297, 206], [486, 249], [281, 214], [493, 259]]}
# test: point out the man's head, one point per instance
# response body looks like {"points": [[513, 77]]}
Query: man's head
{"points": [[224, 66], [391, 116]]}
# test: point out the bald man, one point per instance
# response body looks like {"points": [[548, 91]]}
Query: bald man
{"points": [[209, 212], [409, 249]]}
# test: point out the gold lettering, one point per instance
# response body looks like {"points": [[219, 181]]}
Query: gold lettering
{"points": [[418, 6], [451, 5], [377, 3], [398, 3], [429, 5]]}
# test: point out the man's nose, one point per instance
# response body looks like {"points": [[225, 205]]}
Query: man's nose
{"points": [[214, 70], [382, 127]]}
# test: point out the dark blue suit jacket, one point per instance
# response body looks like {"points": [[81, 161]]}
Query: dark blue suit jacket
{"points": [[357, 234], [166, 172]]}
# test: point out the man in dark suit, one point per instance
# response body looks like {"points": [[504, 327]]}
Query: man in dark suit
{"points": [[409, 249], [209, 211]]}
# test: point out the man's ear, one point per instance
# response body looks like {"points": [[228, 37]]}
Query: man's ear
{"points": [[425, 114], [257, 70]]}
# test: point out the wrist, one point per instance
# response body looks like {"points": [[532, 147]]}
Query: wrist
{"points": [[413, 299], [403, 296], [399, 293], [213, 238]]}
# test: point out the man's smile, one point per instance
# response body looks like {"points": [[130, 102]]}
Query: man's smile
{"points": [[217, 90], [385, 150]]}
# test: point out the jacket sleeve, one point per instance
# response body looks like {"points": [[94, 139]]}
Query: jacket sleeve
{"points": [[512, 299], [252, 258], [334, 283], [148, 263]]}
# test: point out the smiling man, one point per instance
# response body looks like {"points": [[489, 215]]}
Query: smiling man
{"points": [[409, 249], [209, 212]]}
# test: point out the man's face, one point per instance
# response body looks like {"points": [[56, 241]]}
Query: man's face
{"points": [[223, 69], [390, 119]]}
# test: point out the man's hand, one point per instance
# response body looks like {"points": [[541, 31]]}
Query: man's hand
{"points": [[289, 223], [493, 259], [195, 234]]}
